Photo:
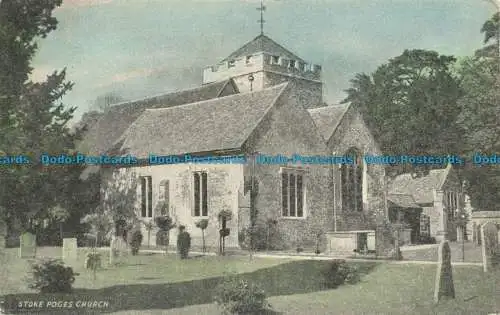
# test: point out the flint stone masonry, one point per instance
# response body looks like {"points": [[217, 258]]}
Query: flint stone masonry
{"points": [[444, 287]]}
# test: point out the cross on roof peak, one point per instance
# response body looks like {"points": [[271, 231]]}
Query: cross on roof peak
{"points": [[262, 8]]}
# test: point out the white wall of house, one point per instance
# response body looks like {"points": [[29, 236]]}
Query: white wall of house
{"points": [[223, 183]]}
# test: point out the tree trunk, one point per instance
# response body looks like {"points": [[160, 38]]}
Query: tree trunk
{"points": [[149, 238], [61, 231], [203, 240]]}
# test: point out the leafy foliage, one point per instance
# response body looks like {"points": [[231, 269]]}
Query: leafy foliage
{"points": [[33, 120], [419, 84], [338, 272], [164, 223], [240, 297], [100, 225], [93, 260], [51, 276], [490, 29]]}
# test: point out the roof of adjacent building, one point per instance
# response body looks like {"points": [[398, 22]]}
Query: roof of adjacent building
{"points": [[403, 200], [421, 188], [262, 43], [213, 125], [115, 121], [328, 118]]}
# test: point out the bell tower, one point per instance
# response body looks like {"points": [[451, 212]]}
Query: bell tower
{"points": [[262, 63]]}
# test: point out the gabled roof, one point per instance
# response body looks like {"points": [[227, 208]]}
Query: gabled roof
{"points": [[328, 118], [262, 43], [421, 188], [118, 118], [403, 200], [219, 124]]}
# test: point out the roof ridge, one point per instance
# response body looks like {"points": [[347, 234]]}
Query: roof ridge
{"points": [[165, 94], [275, 87]]}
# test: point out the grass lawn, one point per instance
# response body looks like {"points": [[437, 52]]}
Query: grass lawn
{"points": [[157, 284]]}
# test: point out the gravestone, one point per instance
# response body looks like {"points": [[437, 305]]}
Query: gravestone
{"points": [[118, 250], [27, 245], [70, 248], [489, 245], [444, 287]]}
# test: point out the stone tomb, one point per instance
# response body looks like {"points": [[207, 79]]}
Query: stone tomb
{"points": [[444, 287], [489, 246], [70, 250], [27, 245]]}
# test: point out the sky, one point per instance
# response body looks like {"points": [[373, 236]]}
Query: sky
{"points": [[140, 48]]}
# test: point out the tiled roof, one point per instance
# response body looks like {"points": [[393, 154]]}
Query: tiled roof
{"points": [[421, 188], [219, 124], [403, 200], [262, 43], [328, 118], [119, 117]]}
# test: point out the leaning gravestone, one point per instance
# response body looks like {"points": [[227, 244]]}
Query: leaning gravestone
{"points": [[118, 250], [27, 245], [489, 245], [70, 248], [444, 287]]}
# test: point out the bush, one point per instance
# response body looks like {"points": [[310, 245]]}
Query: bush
{"points": [[239, 297], [51, 276], [259, 237], [93, 261], [339, 272], [135, 241], [164, 223]]}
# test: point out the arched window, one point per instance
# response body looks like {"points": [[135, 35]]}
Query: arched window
{"points": [[352, 182]]}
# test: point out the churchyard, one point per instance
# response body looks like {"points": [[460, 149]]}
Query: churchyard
{"points": [[163, 284]]}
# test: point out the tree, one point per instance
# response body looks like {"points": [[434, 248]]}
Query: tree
{"points": [[149, 225], [491, 31], [103, 102], [202, 225], [410, 105], [33, 120], [480, 113]]}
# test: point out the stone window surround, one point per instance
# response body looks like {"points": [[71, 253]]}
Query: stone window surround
{"points": [[302, 172], [363, 185], [164, 193]]}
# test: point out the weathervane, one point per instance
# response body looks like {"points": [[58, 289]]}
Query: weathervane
{"points": [[261, 21]]}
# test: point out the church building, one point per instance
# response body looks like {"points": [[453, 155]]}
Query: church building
{"points": [[261, 100]]}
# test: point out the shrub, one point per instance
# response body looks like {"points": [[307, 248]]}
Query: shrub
{"points": [[164, 223], [240, 297], [93, 261], [135, 241], [259, 237], [51, 276], [339, 272]]}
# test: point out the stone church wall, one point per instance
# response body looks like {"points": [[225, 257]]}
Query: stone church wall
{"points": [[353, 133], [288, 130]]}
